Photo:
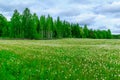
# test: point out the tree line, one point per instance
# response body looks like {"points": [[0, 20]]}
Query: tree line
{"points": [[30, 26], [117, 36]]}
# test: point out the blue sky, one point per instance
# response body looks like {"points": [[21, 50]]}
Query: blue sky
{"points": [[97, 14]]}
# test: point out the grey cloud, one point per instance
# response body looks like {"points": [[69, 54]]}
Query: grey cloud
{"points": [[81, 1], [117, 31], [117, 26], [102, 27], [69, 12], [116, 15], [95, 2], [87, 21], [113, 7], [83, 19], [9, 7]]}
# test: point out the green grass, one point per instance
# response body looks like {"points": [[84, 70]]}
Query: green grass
{"points": [[62, 59]]}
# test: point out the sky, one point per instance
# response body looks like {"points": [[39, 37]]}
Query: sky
{"points": [[97, 14]]}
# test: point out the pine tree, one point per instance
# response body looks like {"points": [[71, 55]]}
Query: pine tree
{"points": [[81, 32], [27, 24], [75, 30], [16, 23], [4, 31], [54, 29], [42, 27], [109, 35], [59, 28], [35, 26], [86, 31], [49, 24], [66, 29]]}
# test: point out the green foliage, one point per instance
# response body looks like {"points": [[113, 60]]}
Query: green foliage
{"points": [[16, 25], [75, 31], [66, 30], [59, 28], [116, 36], [86, 31], [49, 24], [29, 26], [35, 26], [41, 28], [3, 26]]}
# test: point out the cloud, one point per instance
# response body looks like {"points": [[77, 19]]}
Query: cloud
{"points": [[113, 7], [81, 1], [86, 19], [98, 14], [117, 31]]}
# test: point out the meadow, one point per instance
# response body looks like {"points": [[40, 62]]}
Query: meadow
{"points": [[60, 59]]}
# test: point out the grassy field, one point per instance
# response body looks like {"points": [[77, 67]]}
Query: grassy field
{"points": [[62, 59]]}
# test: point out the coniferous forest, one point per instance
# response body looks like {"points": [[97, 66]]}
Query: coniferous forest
{"points": [[30, 26]]}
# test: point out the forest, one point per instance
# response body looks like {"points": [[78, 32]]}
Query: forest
{"points": [[30, 26]]}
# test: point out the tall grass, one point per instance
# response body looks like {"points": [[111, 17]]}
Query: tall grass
{"points": [[64, 59]]}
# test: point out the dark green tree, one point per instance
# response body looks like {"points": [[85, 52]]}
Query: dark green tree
{"points": [[35, 26], [16, 25], [28, 24], [49, 24], [109, 35], [86, 31], [42, 27], [59, 28], [81, 32], [66, 29], [4, 29], [75, 30]]}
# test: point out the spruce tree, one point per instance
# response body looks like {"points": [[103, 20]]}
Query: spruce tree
{"points": [[16, 24], [27, 24], [4, 30]]}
